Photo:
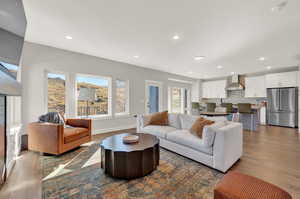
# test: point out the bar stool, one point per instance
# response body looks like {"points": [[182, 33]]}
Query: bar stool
{"points": [[245, 109], [229, 109], [210, 107]]}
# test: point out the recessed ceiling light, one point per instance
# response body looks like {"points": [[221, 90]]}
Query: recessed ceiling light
{"points": [[197, 58], [176, 37], [262, 59], [68, 37], [136, 56], [269, 67], [219, 67], [232, 73]]}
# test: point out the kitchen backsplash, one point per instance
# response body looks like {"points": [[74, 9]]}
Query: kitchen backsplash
{"points": [[236, 96]]}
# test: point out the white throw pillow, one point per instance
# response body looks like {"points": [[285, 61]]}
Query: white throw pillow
{"points": [[174, 120], [187, 121]]}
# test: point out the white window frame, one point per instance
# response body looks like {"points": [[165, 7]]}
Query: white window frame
{"points": [[127, 105], [46, 89], [109, 111]]}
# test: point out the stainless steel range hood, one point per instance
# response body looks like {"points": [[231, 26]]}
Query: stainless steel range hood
{"points": [[235, 83]]}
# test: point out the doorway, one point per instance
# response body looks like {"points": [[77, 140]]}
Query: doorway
{"points": [[153, 100]]}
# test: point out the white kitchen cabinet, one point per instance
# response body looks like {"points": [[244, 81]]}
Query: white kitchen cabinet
{"points": [[214, 89], [255, 86], [279, 80]]}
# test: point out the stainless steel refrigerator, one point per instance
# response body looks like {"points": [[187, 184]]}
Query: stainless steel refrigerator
{"points": [[282, 107]]}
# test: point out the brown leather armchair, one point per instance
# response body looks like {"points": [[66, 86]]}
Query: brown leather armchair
{"points": [[55, 139]]}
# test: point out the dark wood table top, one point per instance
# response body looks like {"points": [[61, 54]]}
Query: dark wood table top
{"points": [[214, 113], [115, 142]]}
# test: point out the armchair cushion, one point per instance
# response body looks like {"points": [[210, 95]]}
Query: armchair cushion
{"points": [[72, 134], [82, 123]]}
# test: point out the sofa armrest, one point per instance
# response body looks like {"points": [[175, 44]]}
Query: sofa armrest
{"points": [[45, 137], [228, 146], [83, 123]]}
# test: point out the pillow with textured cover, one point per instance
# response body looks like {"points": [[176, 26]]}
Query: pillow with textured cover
{"points": [[198, 126], [159, 118]]}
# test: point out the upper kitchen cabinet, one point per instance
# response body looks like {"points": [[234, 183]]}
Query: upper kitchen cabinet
{"points": [[279, 80], [255, 86], [214, 89]]}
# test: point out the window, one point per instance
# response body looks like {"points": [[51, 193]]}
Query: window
{"points": [[176, 100], [93, 95], [11, 68], [179, 100], [122, 97], [56, 92]]}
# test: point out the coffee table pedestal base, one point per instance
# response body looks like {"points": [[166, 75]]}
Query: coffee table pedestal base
{"points": [[129, 165]]}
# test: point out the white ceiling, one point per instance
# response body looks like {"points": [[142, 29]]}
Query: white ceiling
{"points": [[12, 16], [231, 33]]}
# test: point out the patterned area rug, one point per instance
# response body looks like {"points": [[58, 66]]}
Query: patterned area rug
{"points": [[78, 175]]}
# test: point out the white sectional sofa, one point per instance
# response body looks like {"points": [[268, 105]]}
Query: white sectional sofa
{"points": [[220, 147]]}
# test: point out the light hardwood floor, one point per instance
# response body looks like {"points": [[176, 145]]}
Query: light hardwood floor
{"points": [[271, 154]]}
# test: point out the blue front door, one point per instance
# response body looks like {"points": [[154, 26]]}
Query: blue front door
{"points": [[153, 101]]}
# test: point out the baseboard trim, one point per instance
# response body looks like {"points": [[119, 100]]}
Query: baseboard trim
{"points": [[100, 131]]}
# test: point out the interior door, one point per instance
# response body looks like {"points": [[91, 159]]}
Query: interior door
{"points": [[153, 96]]}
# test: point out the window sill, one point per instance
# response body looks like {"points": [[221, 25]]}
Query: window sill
{"points": [[97, 117]]}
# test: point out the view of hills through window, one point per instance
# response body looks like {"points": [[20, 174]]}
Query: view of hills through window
{"points": [[92, 95], [121, 96], [11, 68], [176, 100], [56, 92]]}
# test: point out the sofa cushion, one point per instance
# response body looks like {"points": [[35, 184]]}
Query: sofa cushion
{"points": [[184, 137], [174, 120], [72, 134], [159, 131], [187, 121]]}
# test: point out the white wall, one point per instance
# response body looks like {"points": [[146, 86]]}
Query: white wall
{"points": [[36, 59], [197, 91]]}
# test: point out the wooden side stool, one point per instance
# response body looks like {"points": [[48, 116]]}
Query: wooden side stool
{"points": [[235, 185]]}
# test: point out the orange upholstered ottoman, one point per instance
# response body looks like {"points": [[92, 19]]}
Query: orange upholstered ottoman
{"points": [[235, 185]]}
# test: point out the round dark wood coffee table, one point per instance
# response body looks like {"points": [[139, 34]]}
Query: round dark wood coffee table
{"points": [[129, 161]]}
